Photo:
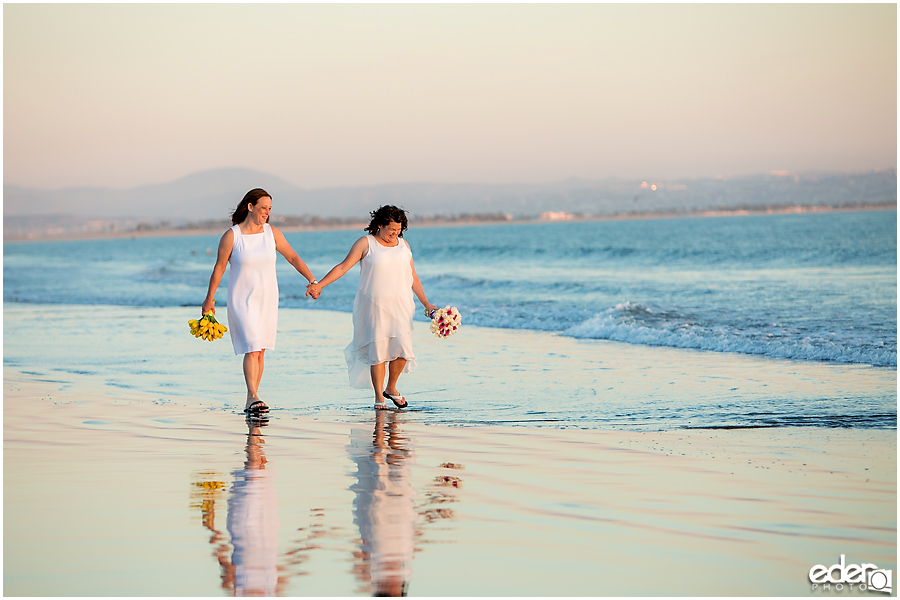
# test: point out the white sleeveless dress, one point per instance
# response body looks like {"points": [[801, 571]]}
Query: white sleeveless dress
{"points": [[252, 291], [382, 312]]}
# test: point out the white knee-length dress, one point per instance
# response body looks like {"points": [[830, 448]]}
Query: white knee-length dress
{"points": [[382, 312], [252, 291]]}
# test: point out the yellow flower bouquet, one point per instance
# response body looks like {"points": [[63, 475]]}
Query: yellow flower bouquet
{"points": [[207, 328]]}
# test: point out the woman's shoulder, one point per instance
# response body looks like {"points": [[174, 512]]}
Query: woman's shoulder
{"points": [[361, 246], [227, 240], [273, 233]]}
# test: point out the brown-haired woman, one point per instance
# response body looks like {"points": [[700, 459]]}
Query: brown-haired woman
{"points": [[250, 246], [384, 306]]}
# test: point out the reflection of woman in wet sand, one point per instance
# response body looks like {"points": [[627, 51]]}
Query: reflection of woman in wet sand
{"points": [[251, 564], [253, 524], [384, 507]]}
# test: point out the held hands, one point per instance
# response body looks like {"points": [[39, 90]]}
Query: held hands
{"points": [[314, 289]]}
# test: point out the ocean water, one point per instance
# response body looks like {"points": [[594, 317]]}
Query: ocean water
{"points": [[819, 287], [815, 288]]}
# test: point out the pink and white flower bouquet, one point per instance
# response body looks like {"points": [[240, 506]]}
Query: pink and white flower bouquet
{"points": [[444, 321]]}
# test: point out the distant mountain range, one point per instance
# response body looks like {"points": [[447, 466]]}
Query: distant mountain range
{"points": [[212, 195]]}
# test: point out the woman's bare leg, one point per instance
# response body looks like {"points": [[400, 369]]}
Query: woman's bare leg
{"points": [[394, 370], [377, 374], [262, 355], [253, 368]]}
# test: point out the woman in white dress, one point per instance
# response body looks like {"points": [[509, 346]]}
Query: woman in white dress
{"points": [[383, 308], [250, 246]]}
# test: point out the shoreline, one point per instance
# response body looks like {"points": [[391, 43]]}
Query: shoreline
{"points": [[481, 376], [700, 213]]}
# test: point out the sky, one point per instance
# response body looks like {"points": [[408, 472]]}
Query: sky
{"points": [[321, 95]]}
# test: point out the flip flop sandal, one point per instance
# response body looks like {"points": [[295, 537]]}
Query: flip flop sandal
{"points": [[396, 399], [256, 407]]}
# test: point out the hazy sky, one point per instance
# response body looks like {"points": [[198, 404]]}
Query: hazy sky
{"points": [[122, 95]]}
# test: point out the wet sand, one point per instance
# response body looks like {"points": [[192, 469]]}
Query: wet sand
{"points": [[111, 487]]}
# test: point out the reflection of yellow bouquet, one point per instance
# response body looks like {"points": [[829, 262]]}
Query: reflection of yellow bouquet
{"points": [[207, 328]]}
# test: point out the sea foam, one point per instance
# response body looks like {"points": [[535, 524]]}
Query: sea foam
{"points": [[636, 324]]}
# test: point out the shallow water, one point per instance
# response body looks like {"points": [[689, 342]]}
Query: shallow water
{"points": [[480, 376]]}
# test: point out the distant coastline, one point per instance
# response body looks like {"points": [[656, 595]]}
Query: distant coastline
{"points": [[294, 224]]}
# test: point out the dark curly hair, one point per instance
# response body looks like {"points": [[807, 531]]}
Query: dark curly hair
{"points": [[387, 214], [251, 197]]}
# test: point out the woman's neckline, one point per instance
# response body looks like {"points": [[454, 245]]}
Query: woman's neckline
{"points": [[385, 245], [257, 233]]}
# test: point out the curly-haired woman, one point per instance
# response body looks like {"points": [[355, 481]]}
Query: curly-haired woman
{"points": [[383, 308]]}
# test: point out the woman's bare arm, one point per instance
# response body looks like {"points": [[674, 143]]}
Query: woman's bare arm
{"points": [[417, 288], [285, 249], [357, 252], [226, 243]]}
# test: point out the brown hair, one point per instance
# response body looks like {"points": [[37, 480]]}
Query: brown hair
{"points": [[251, 197], [387, 214]]}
